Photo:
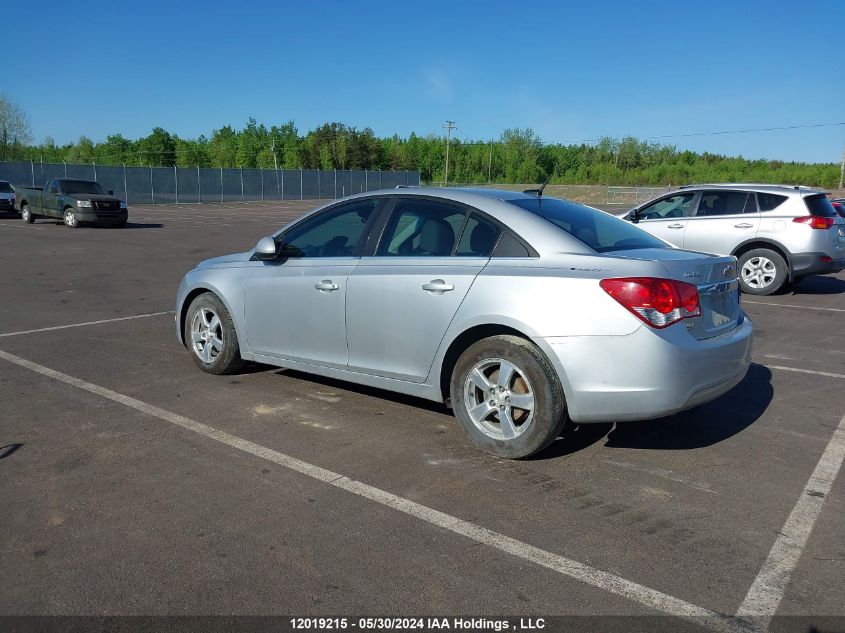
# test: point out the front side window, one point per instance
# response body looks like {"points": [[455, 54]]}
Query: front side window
{"points": [[722, 203], [334, 233], [599, 230], [423, 228], [679, 206]]}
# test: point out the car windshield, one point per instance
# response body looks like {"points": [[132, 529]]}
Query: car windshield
{"points": [[81, 186], [5, 187], [599, 230]]}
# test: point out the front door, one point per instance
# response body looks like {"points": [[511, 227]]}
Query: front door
{"points": [[295, 304], [667, 218], [722, 220], [401, 300]]}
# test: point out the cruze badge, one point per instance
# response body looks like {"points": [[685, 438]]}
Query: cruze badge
{"points": [[692, 274]]}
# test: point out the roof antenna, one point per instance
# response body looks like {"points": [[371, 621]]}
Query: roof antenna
{"points": [[539, 192]]}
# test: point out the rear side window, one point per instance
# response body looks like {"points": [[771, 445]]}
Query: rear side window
{"points": [[422, 228], [769, 201], [509, 246], [479, 237], [820, 205], [599, 230], [722, 203]]}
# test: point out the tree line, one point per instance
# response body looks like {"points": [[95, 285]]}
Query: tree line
{"points": [[517, 156]]}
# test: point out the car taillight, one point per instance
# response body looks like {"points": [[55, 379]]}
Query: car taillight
{"points": [[815, 221], [657, 302]]}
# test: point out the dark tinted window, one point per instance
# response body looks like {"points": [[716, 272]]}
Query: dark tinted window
{"points": [[334, 233], [721, 203], [479, 237], [819, 204], [750, 204], [509, 246], [5, 187], [81, 186], [769, 201], [422, 228], [599, 230], [53, 187]]}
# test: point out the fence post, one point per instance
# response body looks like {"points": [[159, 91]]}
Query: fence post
{"points": [[199, 186], [221, 184], [65, 164], [366, 183], [281, 193], [242, 184], [176, 183], [125, 186], [335, 184], [95, 169], [32, 169], [261, 170], [152, 186], [300, 184], [379, 179]]}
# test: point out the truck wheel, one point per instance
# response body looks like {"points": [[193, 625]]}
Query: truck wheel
{"points": [[762, 271], [507, 397], [26, 214], [70, 218]]}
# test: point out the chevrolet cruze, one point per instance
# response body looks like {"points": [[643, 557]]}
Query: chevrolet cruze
{"points": [[523, 312]]}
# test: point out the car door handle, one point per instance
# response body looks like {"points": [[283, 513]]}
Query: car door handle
{"points": [[744, 225], [327, 285], [437, 286], [675, 226]]}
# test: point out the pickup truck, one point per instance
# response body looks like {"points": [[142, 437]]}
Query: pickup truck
{"points": [[72, 201]]}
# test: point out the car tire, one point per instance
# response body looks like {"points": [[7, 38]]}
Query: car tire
{"points": [[26, 214], [481, 394], [762, 271], [70, 219], [209, 334]]}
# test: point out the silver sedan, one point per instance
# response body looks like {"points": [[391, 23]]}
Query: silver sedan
{"points": [[525, 313]]}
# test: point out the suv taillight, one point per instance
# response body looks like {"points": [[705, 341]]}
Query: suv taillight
{"points": [[657, 302], [815, 221]]}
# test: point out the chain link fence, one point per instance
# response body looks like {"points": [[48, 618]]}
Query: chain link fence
{"points": [[176, 185]]}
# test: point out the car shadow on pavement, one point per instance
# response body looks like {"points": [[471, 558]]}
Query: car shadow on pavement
{"points": [[706, 425], [702, 426], [817, 285]]}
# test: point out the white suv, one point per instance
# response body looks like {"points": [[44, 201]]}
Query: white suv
{"points": [[778, 233]]}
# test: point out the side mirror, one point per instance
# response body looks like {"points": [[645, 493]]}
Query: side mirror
{"points": [[111, 192], [265, 249], [634, 215]]}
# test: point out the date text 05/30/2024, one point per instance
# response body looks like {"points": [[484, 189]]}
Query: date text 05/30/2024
{"points": [[417, 624]]}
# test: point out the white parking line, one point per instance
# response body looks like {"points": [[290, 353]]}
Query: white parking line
{"points": [[70, 325], [785, 305], [595, 577], [768, 588], [807, 371]]}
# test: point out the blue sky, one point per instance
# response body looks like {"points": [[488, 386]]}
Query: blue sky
{"points": [[570, 71]]}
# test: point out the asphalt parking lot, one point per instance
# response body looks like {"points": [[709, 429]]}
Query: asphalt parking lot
{"points": [[134, 484]]}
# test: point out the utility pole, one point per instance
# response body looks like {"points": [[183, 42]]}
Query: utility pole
{"points": [[842, 170], [273, 149], [490, 162], [448, 126]]}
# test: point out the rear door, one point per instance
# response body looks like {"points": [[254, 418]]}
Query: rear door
{"points": [[723, 219], [402, 298], [667, 217]]}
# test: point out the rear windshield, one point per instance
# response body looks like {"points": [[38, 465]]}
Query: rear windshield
{"points": [[600, 231], [81, 186], [820, 205], [5, 187]]}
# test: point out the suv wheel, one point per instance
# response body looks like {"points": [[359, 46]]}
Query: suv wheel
{"points": [[507, 397], [762, 271]]}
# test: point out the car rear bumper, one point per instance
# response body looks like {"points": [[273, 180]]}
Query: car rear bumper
{"points": [[804, 264], [650, 373]]}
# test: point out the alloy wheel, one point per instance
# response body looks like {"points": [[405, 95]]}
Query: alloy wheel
{"points": [[759, 272], [499, 399], [206, 335]]}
